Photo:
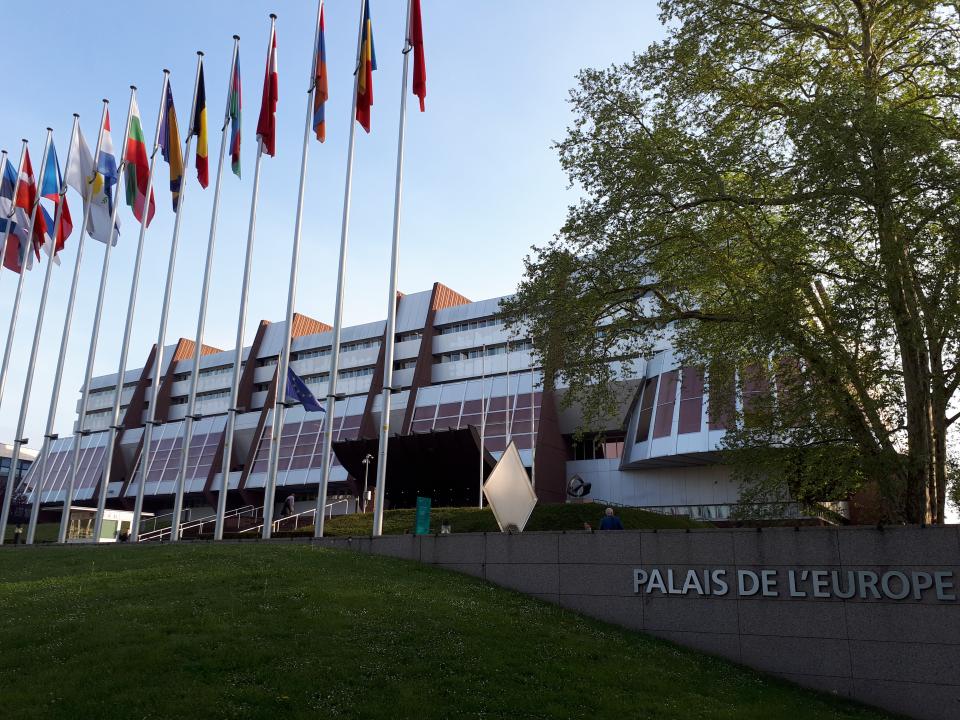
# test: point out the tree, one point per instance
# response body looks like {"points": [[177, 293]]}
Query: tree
{"points": [[775, 184]]}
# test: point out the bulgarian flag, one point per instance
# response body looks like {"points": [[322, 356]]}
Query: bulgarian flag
{"points": [[138, 167]]}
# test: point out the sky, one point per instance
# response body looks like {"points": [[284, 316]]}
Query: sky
{"points": [[482, 182]]}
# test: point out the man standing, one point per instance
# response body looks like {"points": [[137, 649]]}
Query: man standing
{"points": [[288, 505], [610, 521]]}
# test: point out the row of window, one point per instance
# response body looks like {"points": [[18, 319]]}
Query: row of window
{"points": [[208, 395], [112, 389], [485, 351], [468, 325], [205, 372]]}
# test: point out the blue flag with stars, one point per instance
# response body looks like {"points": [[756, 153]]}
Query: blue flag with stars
{"points": [[298, 391]]}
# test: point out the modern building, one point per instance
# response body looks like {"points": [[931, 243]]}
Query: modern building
{"points": [[27, 458], [460, 381]]}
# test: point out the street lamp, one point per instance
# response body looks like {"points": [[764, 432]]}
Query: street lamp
{"points": [[366, 472]]}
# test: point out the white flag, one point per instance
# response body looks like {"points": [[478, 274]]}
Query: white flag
{"points": [[78, 175]]}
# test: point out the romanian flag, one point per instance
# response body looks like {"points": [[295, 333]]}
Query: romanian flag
{"points": [[415, 41], [320, 91], [267, 123], [368, 63], [199, 128], [234, 106], [170, 146], [138, 167]]}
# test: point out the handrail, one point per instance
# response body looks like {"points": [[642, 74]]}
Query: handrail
{"points": [[275, 525], [198, 523]]}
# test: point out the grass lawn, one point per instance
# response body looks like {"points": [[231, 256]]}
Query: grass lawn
{"points": [[46, 532], [471, 519], [287, 631]]}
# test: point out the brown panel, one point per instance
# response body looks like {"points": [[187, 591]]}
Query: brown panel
{"points": [[303, 325], [441, 298], [551, 454], [368, 427]]}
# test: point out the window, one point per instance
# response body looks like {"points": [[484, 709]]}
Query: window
{"points": [[316, 379], [414, 335], [691, 401], [178, 400], [261, 387], [267, 362], [356, 372], [213, 394], [179, 377], [219, 370], [663, 423], [488, 351], [467, 325], [314, 353], [359, 344], [405, 364], [646, 409]]}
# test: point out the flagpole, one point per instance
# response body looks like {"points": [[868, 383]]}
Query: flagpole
{"points": [[64, 340], [128, 327], [331, 404], [483, 413], [162, 333], [13, 201], [92, 350], [238, 351], [19, 440], [207, 272], [281, 394], [508, 397]]}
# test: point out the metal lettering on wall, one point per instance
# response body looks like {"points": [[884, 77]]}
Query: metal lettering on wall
{"points": [[797, 583]]}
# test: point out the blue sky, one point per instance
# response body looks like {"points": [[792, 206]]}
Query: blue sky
{"points": [[482, 182]]}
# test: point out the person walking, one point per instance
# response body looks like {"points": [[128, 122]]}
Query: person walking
{"points": [[288, 505], [610, 521]]}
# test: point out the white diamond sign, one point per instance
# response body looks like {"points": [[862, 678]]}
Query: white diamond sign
{"points": [[509, 492]]}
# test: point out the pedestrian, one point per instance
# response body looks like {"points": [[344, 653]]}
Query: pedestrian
{"points": [[288, 505], [610, 521], [17, 534]]}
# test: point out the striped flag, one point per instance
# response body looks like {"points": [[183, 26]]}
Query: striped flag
{"points": [[415, 40], [7, 207], [95, 184], [234, 108], [320, 91], [170, 146], [17, 255], [138, 167], [267, 124], [199, 128], [368, 63], [52, 182]]}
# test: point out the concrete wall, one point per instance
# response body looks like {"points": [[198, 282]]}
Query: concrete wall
{"points": [[902, 655]]}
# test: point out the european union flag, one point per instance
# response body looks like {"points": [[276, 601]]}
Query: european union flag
{"points": [[297, 390]]}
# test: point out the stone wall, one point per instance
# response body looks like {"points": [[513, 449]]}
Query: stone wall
{"points": [[899, 654]]}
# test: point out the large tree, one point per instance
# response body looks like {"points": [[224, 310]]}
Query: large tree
{"points": [[776, 185]]}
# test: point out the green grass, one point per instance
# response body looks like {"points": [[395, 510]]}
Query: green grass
{"points": [[46, 532], [288, 631], [468, 519]]}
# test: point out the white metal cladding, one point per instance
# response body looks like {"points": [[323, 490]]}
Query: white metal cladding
{"points": [[59, 465], [470, 311], [412, 311]]}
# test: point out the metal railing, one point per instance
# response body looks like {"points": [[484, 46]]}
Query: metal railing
{"points": [[199, 524], [296, 518], [155, 518]]}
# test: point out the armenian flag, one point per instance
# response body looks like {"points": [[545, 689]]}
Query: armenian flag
{"points": [[138, 167], [199, 128], [320, 91], [415, 40], [234, 107], [368, 63], [170, 146], [267, 124]]}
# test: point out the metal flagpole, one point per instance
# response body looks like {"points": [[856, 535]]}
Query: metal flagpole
{"points": [[380, 499], [280, 401], [483, 413], [238, 350], [533, 434], [48, 436], [128, 327], [207, 272], [507, 397], [92, 350], [19, 440], [15, 312], [331, 405], [13, 199], [147, 453]]}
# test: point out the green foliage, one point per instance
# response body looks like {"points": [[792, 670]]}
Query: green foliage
{"points": [[776, 179], [268, 630]]}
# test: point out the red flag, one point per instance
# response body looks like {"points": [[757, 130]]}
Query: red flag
{"points": [[368, 63], [16, 257], [267, 124], [416, 42]]}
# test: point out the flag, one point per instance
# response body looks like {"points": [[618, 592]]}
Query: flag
{"points": [[234, 106], [415, 40], [368, 63], [170, 146], [320, 91], [138, 168], [267, 124], [7, 207], [199, 128], [52, 183], [297, 391], [17, 256], [95, 184]]}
